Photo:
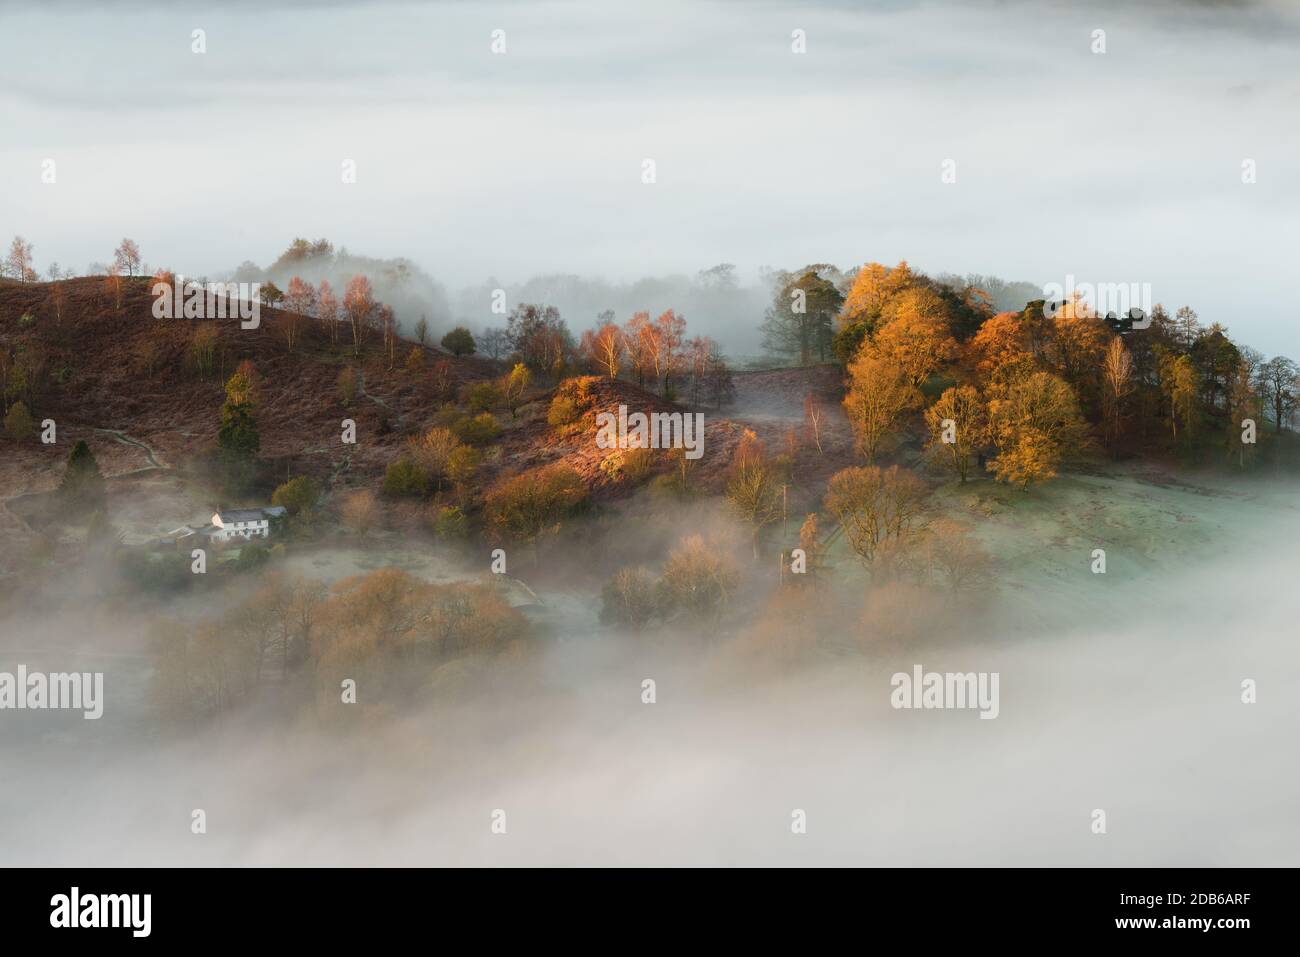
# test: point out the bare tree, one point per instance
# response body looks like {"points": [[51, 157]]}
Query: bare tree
{"points": [[813, 417], [358, 305], [876, 507], [19, 260], [1277, 383], [299, 301], [327, 310], [127, 257], [388, 324], [56, 300], [494, 343], [1117, 385]]}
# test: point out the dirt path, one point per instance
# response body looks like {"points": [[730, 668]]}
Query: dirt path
{"points": [[361, 388], [149, 452]]}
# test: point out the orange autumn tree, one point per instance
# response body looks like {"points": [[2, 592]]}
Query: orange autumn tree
{"points": [[637, 338], [299, 300], [880, 391], [915, 336], [670, 332], [958, 424], [1035, 424], [1000, 350], [1076, 344], [358, 305], [603, 346], [873, 287]]}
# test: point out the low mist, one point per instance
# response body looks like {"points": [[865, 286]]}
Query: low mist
{"points": [[1134, 706]]}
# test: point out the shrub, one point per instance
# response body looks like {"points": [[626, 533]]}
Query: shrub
{"points": [[449, 523], [628, 599], [360, 512], [203, 349], [463, 463], [638, 463], [415, 361], [347, 385], [404, 478], [18, 423], [563, 411], [612, 465], [578, 390], [299, 495], [698, 578], [459, 342], [513, 385], [446, 416], [521, 508], [481, 396], [477, 430], [432, 451], [440, 379], [253, 554]]}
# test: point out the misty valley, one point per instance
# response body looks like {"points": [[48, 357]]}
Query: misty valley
{"points": [[326, 571]]}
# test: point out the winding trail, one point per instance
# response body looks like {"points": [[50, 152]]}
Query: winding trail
{"points": [[149, 452], [361, 388]]}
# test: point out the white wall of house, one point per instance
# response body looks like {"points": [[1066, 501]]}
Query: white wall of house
{"points": [[260, 528]]}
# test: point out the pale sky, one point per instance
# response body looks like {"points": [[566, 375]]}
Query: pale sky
{"points": [[1115, 167]]}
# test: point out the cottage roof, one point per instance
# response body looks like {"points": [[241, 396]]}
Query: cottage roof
{"points": [[230, 516]]}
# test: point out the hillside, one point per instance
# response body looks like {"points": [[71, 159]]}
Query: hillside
{"points": [[127, 384], [123, 370]]}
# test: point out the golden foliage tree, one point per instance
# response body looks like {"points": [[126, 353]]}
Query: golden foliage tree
{"points": [[919, 344], [1035, 424], [1077, 344], [1000, 350], [752, 489], [958, 424], [603, 346], [873, 287], [880, 391], [1180, 383]]}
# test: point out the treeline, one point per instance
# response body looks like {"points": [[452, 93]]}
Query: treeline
{"points": [[1029, 388], [655, 353]]}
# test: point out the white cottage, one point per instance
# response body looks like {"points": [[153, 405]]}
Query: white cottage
{"points": [[232, 523]]}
